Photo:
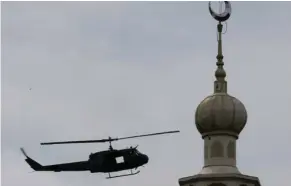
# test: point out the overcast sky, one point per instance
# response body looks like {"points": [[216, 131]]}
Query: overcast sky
{"points": [[109, 68]]}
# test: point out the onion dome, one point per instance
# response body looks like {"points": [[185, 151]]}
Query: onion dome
{"points": [[220, 112]]}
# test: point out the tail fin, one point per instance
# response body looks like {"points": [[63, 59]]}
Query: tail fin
{"points": [[33, 164]]}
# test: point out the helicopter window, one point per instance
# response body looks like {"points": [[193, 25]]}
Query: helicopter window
{"points": [[136, 152], [119, 159]]}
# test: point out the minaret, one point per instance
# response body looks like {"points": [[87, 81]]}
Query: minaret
{"points": [[220, 118]]}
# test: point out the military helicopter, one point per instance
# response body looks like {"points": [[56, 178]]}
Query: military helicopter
{"points": [[108, 161]]}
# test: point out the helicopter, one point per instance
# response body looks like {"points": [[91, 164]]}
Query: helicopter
{"points": [[108, 161]]}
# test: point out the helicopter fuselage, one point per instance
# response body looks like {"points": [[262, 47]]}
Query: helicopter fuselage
{"points": [[105, 161], [108, 161], [116, 160]]}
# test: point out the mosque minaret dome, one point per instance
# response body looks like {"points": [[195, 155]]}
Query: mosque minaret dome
{"points": [[220, 118], [220, 113]]}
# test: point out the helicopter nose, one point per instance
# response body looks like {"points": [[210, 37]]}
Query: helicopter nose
{"points": [[146, 158]]}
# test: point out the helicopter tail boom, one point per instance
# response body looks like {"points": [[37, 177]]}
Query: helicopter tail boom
{"points": [[73, 166]]}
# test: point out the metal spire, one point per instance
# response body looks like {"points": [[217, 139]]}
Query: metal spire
{"points": [[220, 85]]}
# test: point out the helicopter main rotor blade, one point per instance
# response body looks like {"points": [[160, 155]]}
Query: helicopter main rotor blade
{"points": [[83, 141], [107, 140], [152, 134]]}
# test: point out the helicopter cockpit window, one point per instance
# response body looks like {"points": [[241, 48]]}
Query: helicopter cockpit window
{"points": [[134, 152], [137, 152]]}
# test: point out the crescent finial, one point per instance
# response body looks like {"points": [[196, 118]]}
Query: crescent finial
{"points": [[222, 16]]}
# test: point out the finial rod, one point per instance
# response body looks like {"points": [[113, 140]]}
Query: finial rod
{"points": [[220, 85], [220, 73], [219, 30]]}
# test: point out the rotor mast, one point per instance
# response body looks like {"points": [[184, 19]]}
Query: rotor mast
{"points": [[110, 146]]}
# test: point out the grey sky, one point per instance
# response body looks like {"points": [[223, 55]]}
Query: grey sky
{"points": [[102, 68]]}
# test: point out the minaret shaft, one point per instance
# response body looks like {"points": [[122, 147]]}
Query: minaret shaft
{"points": [[220, 150], [220, 154]]}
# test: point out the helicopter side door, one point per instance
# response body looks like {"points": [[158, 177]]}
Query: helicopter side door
{"points": [[111, 161], [120, 160]]}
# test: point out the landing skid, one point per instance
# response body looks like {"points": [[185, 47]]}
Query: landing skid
{"points": [[131, 174]]}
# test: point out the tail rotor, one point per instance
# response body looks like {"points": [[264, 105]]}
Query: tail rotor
{"points": [[23, 152]]}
